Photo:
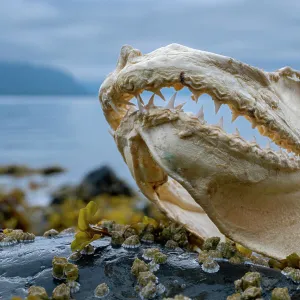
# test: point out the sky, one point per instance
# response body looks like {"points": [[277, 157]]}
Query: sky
{"points": [[84, 37]]}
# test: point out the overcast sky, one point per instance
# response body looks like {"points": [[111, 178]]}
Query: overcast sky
{"points": [[85, 36]]}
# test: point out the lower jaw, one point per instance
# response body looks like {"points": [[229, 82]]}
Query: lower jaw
{"points": [[211, 192]]}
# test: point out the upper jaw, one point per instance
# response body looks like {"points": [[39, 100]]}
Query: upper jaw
{"points": [[271, 101]]}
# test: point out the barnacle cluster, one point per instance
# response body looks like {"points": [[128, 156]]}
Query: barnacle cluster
{"points": [[148, 285], [50, 233], [10, 237], [63, 270], [249, 287]]}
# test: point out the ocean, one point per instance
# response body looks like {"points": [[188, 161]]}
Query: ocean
{"points": [[67, 131]]}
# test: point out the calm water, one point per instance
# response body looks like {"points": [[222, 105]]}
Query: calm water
{"points": [[71, 132]]}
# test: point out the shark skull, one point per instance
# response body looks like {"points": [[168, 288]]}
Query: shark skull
{"points": [[213, 182]]}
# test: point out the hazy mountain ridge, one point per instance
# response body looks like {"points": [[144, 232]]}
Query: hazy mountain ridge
{"points": [[29, 79]]}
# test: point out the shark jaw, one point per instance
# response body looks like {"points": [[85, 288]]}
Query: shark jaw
{"points": [[213, 182]]}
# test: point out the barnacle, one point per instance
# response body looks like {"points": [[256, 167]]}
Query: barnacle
{"points": [[148, 291], [153, 266], [101, 291], [209, 265], [159, 258], [280, 294], [37, 292], [19, 236], [88, 250], [75, 256], [251, 292], [149, 253], [50, 233], [170, 244], [61, 292], [132, 242], [147, 238], [117, 238], [139, 266], [70, 272], [211, 243], [58, 266], [145, 277]]}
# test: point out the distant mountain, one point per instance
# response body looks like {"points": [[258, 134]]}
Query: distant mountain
{"points": [[27, 79]]}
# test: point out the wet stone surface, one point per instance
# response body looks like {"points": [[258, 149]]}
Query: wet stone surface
{"points": [[24, 265]]}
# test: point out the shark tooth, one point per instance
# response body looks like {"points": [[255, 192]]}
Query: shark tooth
{"points": [[195, 94], [159, 93], [171, 102], [114, 107], [140, 104], [237, 132], [234, 116], [200, 114], [221, 123], [217, 106], [150, 102], [180, 106]]}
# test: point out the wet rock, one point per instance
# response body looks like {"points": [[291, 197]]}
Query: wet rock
{"points": [[25, 265]]}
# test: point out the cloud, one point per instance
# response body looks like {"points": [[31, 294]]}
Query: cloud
{"points": [[85, 36]]}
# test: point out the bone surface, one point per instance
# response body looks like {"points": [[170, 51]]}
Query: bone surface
{"points": [[213, 182]]}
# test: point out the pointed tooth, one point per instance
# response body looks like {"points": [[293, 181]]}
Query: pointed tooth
{"points": [[268, 146], [221, 123], [217, 106], [171, 102], [253, 124], [151, 102], [234, 116], [180, 106], [159, 93], [254, 140], [138, 97], [140, 104], [237, 132], [111, 132], [200, 114], [195, 94]]}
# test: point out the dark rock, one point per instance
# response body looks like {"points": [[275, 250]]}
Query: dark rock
{"points": [[25, 265], [102, 181], [98, 182]]}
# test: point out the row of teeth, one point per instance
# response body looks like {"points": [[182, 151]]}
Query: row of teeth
{"points": [[200, 116]]}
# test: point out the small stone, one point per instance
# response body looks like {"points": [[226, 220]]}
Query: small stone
{"points": [[117, 238], [251, 292], [145, 277], [132, 242], [61, 292], [38, 292], [280, 294], [210, 266], [149, 291], [211, 243], [101, 291], [170, 244], [139, 266], [50, 233]]}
